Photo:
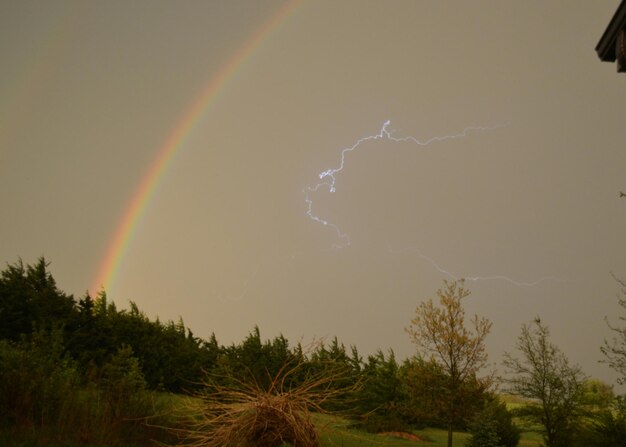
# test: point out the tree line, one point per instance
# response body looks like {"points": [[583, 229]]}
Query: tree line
{"points": [[54, 348]]}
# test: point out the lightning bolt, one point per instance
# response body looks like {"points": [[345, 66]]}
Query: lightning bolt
{"points": [[328, 177], [504, 278], [328, 181]]}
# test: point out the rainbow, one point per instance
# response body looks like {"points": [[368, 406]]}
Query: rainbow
{"points": [[127, 227]]}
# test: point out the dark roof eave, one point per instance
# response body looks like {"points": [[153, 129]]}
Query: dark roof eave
{"points": [[606, 46]]}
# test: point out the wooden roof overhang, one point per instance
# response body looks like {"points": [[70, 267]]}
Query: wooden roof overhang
{"points": [[612, 44]]}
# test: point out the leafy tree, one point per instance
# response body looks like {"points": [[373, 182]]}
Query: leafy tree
{"points": [[615, 349], [440, 332], [596, 394], [426, 387], [545, 376], [425, 384]]}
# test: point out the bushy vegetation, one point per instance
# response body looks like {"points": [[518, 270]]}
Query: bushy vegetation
{"points": [[493, 426], [88, 371], [45, 399]]}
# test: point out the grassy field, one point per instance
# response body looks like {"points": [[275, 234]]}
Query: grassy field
{"points": [[334, 432]]}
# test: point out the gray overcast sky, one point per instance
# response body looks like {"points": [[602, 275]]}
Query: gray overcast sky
{"points": [[89, 91]]}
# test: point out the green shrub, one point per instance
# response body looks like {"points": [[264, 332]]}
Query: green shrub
{"points": [[607, 427], [389, 418], [493, 427], [122, 381], [484, 434]]}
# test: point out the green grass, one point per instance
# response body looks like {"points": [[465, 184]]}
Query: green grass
{"points": [[530, 439], [335, 432], [532, 436]]}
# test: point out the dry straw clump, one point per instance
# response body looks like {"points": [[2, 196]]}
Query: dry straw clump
{"points": [[246, 414]]}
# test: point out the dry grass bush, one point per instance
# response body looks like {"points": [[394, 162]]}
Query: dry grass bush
{"points": [[247, 414]]}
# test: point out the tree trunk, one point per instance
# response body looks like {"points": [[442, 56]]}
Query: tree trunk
{"points": [[451, 409]]}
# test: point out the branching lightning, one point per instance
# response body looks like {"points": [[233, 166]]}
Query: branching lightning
{"points": [[328, 181], [328, 177]]}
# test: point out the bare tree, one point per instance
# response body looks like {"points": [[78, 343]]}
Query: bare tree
{"points": [[615, 350], [440, 332], [554, 388]]}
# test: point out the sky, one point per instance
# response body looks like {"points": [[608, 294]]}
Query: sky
{"points": [[171, 152]]}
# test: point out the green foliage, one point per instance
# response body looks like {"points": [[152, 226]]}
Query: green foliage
{"points": [[121, 380], [333, 360], [493, 426], [170, 356], [335, 356], [254, 359], [382, 402], [596, 394], [484, 434], [413, 395], [44, 399], [30, 300], [35, 377], [425, 385], [85, 372], [429, 396], [80, 371]]}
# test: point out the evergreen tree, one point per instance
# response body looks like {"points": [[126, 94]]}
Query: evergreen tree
{"points": [[493, 426], [29, 300], [381, 399]]}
